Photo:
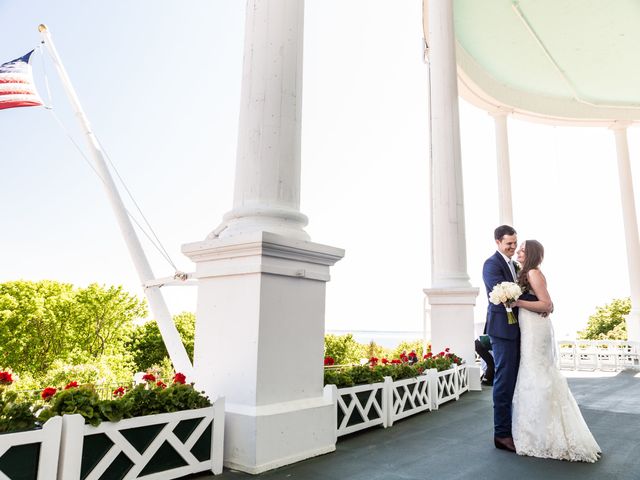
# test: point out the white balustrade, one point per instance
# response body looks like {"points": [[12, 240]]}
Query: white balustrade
{"points": [[610, 355]]}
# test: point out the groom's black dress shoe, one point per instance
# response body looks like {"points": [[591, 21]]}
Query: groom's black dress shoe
{"points": [[504, 443]]}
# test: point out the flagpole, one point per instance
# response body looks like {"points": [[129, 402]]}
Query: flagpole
{"points": [[168, 330]]}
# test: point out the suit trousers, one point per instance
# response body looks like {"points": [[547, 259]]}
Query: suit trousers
{"points": [[506, 355]]}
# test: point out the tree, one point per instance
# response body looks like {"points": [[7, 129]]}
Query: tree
{"points": [[147, 346], [45, 321], [343, 349], [608, 323]]}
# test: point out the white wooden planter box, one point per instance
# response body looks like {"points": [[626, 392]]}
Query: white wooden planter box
{"points": [[32, 454], [360, 407], [450, 384], [365, 406], [412, 395], [153, 447]]}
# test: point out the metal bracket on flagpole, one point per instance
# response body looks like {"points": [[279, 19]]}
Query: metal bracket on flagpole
{"points": [[179, 279]]}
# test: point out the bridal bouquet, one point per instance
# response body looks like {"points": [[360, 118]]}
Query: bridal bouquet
{"points": [[506, 293]]}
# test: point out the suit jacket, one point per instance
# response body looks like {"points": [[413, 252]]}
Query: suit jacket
{"points": [[495, 271]]}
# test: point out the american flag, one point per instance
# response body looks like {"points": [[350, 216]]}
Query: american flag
{"points": [[16, 84]]}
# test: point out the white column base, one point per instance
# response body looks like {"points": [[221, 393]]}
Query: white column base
{"points": [[633, 325], [475, 375], [452, 321], [260, 343], [267, 438]]}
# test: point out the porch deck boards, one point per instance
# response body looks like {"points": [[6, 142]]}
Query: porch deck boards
{"points": [[455, 442]]}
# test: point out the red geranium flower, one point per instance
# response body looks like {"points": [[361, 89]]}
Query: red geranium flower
{"points": [[161, 384], [179, 378], [48, 392], [6, 378], [428, 355], [73, 384], [328, 361], [441, 354], [412, 354], [446, 349], [373, 361], [403, 357], [395, 361], [385, 361], [149, 377], [118, 392]]}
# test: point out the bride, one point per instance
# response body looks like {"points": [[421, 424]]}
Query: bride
{"points": [[546, 420]]}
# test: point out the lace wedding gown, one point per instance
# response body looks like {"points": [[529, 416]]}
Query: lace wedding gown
{"points": [[547, 422]]}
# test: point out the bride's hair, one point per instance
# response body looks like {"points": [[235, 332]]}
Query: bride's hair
{"points": [[533, 255]]}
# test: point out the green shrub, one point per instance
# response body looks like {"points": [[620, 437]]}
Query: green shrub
{"points": [[376, 370], [146, 344], [415, 346], [608, 323], [149, 398], [343, 349]]}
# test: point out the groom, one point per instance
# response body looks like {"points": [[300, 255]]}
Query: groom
{"points": [[505, 338]]}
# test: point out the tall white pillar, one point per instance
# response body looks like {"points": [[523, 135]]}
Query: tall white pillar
{"points": [[505, 203], [630, 228], [261, 295], [451, 295], [267, 182]]}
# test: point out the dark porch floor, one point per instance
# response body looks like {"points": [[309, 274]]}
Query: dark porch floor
{"points": [[455, 442]]}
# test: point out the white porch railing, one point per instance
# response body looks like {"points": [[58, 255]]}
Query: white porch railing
{"points": [[610, 355]]}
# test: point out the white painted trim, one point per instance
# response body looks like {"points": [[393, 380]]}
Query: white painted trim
{"points": [[485, 92], [48, 437]]}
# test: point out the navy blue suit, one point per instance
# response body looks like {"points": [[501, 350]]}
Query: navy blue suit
{"points": [[505, 343]]}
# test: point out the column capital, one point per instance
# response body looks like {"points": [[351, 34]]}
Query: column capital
{"points": [[500, 112], [619, 125]]}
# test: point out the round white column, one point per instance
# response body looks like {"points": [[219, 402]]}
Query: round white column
{"points": [[267, 182], [630, 228], [448, 251], [505, 203], [451, 295]]}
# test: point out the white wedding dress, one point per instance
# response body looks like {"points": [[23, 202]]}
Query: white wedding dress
{"points": [[546, 420]]}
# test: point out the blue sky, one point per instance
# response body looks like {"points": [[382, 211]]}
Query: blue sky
{"points": [[160, 83]]}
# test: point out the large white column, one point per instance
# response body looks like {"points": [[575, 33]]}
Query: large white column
{"points": [[630, 228], [261, 295], [505, 203], [451, 295], [267, 185]]}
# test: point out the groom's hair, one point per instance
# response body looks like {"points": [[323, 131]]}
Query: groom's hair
{"points": [[503, 230]]}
